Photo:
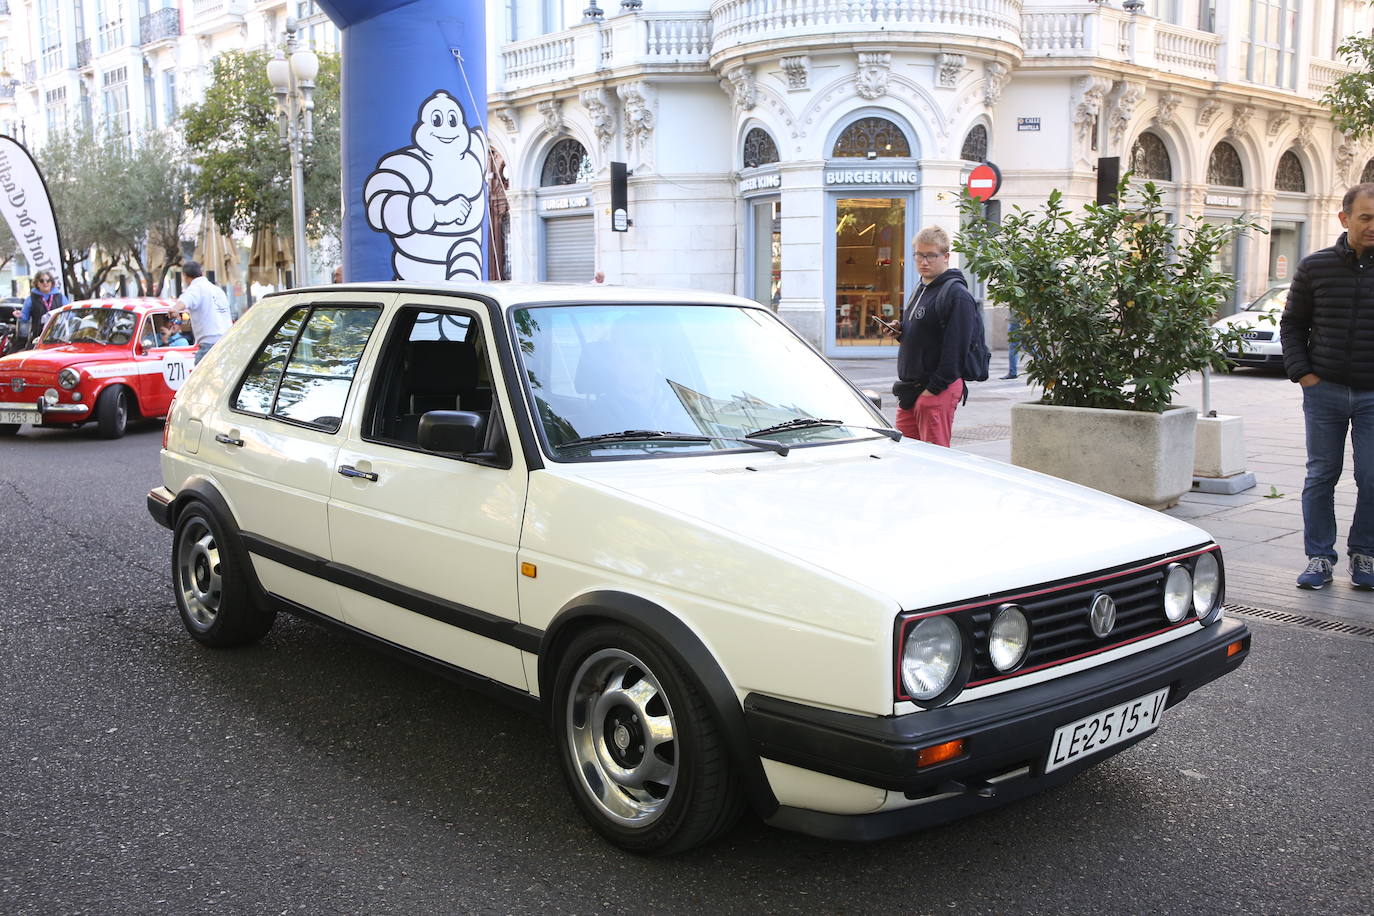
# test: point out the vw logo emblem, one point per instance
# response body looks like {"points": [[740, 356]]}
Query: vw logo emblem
{"points": [[1102, 614], [16, 384]]}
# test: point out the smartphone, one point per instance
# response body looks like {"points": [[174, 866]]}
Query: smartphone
{"points": [[890, 325]]}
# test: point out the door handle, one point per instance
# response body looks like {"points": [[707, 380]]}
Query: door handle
{"points": [[349, 470], [228, 440]]}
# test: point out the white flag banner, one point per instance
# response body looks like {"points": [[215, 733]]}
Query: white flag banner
{"points": [[28, 209]]}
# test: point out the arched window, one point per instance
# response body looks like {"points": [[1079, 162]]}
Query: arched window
{"points": [[1368, 174], [1150, 158], [1224, 167], [1290, 176], [869, 138], [759, 148], [975, 145], [567, 163]]}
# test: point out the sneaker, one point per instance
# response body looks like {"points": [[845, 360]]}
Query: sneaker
{"points": [[1362, 571], [1318, 572], [1005, 377]]}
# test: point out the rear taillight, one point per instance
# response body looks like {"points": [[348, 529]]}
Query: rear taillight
{"points": [[167, 423]]}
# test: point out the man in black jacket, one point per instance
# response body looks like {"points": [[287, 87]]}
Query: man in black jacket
{"points": [[1328, 348], [937, 327]]}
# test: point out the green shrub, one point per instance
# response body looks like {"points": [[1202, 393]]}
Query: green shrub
{"points": [[1116, 305]]}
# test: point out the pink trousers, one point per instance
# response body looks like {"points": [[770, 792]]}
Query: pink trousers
{"points": [[932, 419]]}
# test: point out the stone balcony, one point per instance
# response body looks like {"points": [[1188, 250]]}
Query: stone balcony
{"points": [[643, 42], [750, 29]]}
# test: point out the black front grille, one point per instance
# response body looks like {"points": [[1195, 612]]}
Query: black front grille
{"points": [[1060, 628], [1060, 625]]}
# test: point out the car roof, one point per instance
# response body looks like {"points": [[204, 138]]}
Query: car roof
{"points": [[510, 294], [139, 304]]}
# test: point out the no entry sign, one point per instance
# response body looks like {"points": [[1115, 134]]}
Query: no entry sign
{"points": [[984, 181]]}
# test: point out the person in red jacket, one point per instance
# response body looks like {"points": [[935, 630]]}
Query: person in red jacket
{"points": [[1327, 331]]}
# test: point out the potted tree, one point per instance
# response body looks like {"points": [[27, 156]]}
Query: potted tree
{"points": [[1115, 307]]}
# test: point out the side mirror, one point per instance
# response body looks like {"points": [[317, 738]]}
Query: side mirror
{"points": [[874, 397], [451, 432]]}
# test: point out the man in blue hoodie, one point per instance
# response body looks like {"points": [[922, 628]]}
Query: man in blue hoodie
{"points": [[936, 330]]}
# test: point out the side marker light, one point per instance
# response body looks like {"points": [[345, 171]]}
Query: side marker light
{"points": [[529, 570], [939, 753]]}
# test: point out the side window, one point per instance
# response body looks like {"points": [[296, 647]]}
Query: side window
{"points": [[259, 386], [434, 360], [305, 369]]}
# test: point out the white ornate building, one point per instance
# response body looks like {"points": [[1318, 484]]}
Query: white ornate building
{"points": [[788, 150]]}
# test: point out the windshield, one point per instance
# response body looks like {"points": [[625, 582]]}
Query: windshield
{"points": [[107, 327], [711, 374], [1273, 300]]}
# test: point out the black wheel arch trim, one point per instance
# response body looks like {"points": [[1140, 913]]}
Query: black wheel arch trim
{"points": [[679, 641], [203, 491]]}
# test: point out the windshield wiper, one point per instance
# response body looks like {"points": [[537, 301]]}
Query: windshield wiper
{"points": [[807, 422], [659, 435]]}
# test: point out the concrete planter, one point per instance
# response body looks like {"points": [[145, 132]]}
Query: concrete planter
{"points": [[1144, 457]]}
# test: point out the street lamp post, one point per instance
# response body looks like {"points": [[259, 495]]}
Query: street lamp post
{"points": [[293, 83]]}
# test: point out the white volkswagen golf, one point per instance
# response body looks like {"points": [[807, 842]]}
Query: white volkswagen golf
{"points": [[665, 523]]}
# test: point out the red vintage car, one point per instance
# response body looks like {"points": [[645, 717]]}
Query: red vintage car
{"points": [[102, 360]]}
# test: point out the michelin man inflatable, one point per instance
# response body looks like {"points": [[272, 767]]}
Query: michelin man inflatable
{"points": [[429, 197]]}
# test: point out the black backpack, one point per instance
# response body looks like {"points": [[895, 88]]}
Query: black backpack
{"points": [[978, 358]]}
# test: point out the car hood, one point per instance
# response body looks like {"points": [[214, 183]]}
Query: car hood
{"points": [[922, 524], [52, 359], [1254, 320]]}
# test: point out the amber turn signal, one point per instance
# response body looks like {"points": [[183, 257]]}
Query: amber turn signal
{"points": [[939, 753], [1235, 647], [529, 570]]}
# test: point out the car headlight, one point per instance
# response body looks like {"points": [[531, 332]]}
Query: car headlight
{"points": [[931, 657], [1178, 592], [1206, 586], [68, 378], [1008, 638]]}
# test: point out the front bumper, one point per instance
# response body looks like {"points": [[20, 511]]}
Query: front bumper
{"points": [[1006, 737], [35, 414]]}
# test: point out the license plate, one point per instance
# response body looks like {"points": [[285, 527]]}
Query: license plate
{"points": [[20, 416], [1102, 730]]}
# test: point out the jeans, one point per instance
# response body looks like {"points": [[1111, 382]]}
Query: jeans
{"points": [[204, 347], [1013, 349], [1329, 410]]}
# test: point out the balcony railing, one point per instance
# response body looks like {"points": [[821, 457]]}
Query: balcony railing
{"points": [[1112, 34], [159, 25], [655, 41], [738, 22], [1323, 73]]}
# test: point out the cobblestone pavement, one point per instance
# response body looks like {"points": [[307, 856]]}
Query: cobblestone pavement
{"points": [[1260, 530]]}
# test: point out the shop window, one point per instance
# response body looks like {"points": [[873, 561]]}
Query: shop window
{"points": [[567, 163], [975, 145], [1290, 176], [1224, 167], [759, 148], [871, 138], [1150, 158]]}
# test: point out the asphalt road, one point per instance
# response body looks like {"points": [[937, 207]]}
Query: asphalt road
{"points": [[145, 774]]}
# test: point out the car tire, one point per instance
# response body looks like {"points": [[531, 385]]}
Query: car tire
{"points": [[212, 594], [9, 429], [112, 412], [641, 752]]}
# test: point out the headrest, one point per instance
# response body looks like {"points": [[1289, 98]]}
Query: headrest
{"points": [[441, 367]]}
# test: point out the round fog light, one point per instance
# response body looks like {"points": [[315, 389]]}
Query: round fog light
{"points": [[1206, 584], [930, 657], [1008, 638], [50, 396], [1178, 592]]}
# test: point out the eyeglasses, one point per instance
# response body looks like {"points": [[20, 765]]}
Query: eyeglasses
{"points": [[43, 280], [931, 255]]}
